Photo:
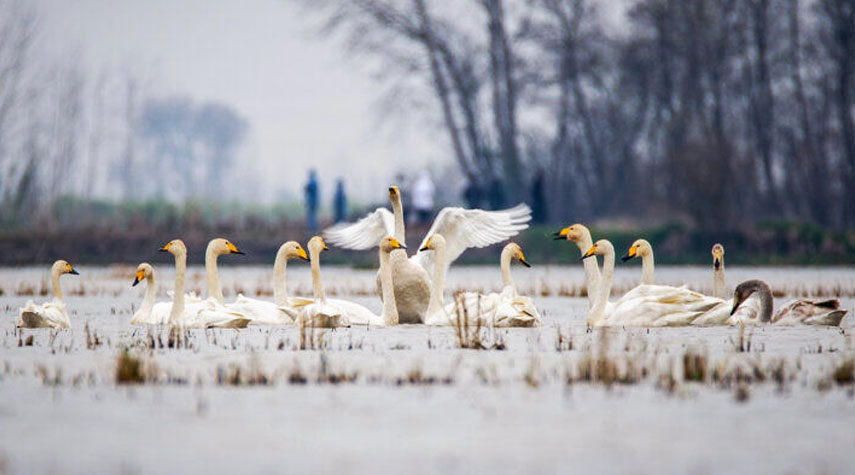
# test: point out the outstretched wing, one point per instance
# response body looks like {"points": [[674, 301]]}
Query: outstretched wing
{"points": [[465, 228], [363, 234]]}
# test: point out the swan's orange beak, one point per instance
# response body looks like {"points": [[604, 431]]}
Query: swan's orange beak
{"points": [[632, 252], [561, 235], [522, 260], [591, 252], [233, 249], [426, 247], [165, 248], [302, 254], [138, 278]]}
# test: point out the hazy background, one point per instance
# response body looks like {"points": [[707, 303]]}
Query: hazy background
{"points": [[708, 120]]}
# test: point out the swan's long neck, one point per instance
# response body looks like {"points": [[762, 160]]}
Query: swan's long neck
{"points": [[150, 294], [54, 282], [767, 303], [505, 263], [214, 289], [398, 211], [178, 295], [317, 286], [597, 313], [390, 307], [718, 281], [647, 268], [280, 291], [438, 285], [592, 269]]}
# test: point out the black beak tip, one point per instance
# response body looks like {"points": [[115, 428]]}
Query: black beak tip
{"points": [[74, 272], [525, 263], [136, 281], [240, 253], [625, 258], [585, 257], [162, 250], [424, 249], [558, 238]]}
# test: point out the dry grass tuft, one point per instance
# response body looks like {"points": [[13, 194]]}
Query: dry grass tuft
{"points": [[129, 369]]}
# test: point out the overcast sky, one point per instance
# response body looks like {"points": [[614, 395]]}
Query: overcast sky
{"points": [[307, 104], [263, 58]]}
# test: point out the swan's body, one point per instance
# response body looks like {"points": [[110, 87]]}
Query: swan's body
{"points": [[206, 313], [52, 314], [647, 304], [334, 313], [462, 229], [797, 312], [750, 311], [506, 308], [276, 312], [650, 304]]}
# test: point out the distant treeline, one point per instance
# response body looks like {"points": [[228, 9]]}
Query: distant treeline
{"points": [[722, 112], [131, 232]]}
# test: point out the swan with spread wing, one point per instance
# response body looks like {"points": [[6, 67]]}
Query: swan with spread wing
{"points": [[462, 228]]}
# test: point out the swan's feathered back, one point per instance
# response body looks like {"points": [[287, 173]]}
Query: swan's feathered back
{"points": [[465, 228], [365, 233]]}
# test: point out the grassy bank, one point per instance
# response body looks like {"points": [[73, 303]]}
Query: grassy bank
{"points": [[765, 244]]}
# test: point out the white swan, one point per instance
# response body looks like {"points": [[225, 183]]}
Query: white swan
{"points": [[338, 313], [51, 314], [150, 313], [797, 312], [581, 235], [197, 314], [500, 309], [273, 313], [462, 228], [691, 301], [216, 248], [645, 305]]}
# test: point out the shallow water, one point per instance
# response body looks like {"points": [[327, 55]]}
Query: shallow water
{"points": [[410, 400]]}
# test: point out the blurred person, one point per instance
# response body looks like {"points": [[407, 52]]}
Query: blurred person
{"points": [[423, 196], [340, 202], [496, 194], [312, 191], [472, 195], [538, 198]]}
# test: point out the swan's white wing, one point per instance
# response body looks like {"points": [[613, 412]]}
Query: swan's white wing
{"points": [[47, 315], [465, 228], [365, 233]]}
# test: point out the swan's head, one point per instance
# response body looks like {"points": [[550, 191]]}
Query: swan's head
{"points": [[717, 256], [744, 290], [144, 271], [435, 241], [394, 193], [62, 267], [516, 253], [640, 248], [293, 250], [175, 247], [220, 246], [600, 248], [316, 245], [574, 233], [389, 244]]}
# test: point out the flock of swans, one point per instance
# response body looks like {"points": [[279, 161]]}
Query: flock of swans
{"points": [[411, 287]]}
